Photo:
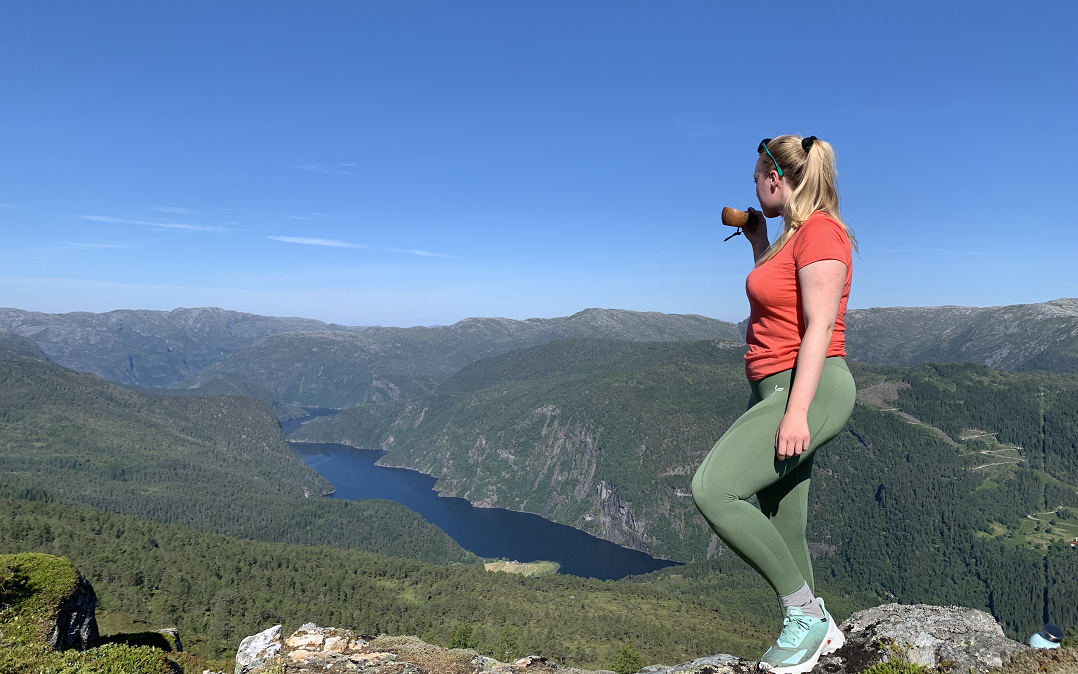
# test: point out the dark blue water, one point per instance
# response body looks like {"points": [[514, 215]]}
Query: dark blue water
{"points": [[488, 532]]}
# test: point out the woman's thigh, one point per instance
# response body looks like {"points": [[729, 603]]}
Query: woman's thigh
{"points": [[743, 461]]}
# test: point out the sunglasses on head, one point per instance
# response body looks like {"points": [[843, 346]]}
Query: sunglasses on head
{"points": [[763, 148], [806, 145]]}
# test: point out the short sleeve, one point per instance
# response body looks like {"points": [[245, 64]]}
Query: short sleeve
{"points": [[821, 238]]}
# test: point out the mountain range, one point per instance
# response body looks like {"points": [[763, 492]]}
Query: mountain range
{"points": [[308, 362], [1017, 337], [147, 348]]}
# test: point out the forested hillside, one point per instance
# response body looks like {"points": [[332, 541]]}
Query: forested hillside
{"points": [[234, 387], [218, 464], [223, 589], [900, 507], [16, 347]]}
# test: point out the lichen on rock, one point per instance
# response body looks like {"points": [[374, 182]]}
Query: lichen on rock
{"points": [[329, 650]]}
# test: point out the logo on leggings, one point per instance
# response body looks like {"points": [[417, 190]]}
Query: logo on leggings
{"points": [[777, 389]]}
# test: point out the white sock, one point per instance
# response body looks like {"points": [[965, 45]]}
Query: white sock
{"points": [[803, 600]]}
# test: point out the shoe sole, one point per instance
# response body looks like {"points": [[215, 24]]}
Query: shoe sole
{"points": [[832, 641]]}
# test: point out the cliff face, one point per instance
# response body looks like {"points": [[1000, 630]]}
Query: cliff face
{"points": [[546, 463]]}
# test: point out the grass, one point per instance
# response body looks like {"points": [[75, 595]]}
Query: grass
{"points": [[1039, 529], [523, 568], [32, 588]]}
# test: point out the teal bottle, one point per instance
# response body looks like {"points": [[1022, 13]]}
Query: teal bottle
{"points": [[1048, 637]]}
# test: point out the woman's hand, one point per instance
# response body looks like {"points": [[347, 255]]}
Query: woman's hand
{"points": [[792, 437], [756, 228], [756, 232]]}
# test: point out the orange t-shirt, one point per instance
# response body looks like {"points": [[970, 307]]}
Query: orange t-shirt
{"points": [[776, 320]]}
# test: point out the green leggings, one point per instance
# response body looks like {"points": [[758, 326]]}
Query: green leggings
{"points": [[743, 463]]}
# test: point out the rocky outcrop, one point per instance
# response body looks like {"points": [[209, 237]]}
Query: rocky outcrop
{"points": [[76, 622], [947, 638], [258, 650], [712, 664], [328, 650], [172, 636]]}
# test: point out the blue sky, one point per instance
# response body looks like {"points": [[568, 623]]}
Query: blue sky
{"points": [[404, 163]]}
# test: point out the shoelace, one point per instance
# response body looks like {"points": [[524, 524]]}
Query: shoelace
{"points": [[790, 628]]}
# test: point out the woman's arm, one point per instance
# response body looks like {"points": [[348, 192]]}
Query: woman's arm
{"points": [[821, 284]]}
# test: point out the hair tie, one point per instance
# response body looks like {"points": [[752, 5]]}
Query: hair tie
{"points": [[806, 143]]}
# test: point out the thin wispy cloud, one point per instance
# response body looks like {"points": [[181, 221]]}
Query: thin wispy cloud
{"points": [[338, 169], [148, 223], [174, 209], [424, 253], [190, 228], [82, 244], [4, 204], [337, 243], [332, 243], [297, 217]]}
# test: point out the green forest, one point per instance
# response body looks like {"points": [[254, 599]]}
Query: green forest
{"points": [[223, 589], [218, 464]]}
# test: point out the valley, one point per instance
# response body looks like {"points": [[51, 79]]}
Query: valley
{"points": [[954, 482]]}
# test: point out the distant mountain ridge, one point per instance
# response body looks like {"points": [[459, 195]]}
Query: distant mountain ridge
{"points": [[1021, 337], [308, 362], [1040, 336], [341, 369], [144, 347]]}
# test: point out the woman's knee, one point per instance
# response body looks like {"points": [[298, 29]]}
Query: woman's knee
{"points": [[709, 494]]}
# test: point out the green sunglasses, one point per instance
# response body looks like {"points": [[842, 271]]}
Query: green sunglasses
{"points": [[763, 148]]}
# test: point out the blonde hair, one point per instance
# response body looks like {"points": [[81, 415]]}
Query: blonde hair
{"points": [[813, 177]]}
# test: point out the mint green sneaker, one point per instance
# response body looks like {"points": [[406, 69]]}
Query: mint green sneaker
{"points": [[803, 640]]}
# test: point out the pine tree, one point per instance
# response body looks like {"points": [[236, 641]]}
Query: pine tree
{"points": [[626, 660]]}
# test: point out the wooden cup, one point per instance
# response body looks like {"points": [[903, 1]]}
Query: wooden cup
{"points": [[733, 217]]}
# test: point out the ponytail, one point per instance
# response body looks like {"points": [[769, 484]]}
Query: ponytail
{"points": [[809, 165]]}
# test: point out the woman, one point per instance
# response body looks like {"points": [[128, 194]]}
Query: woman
{"points": [[797, 295]]}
